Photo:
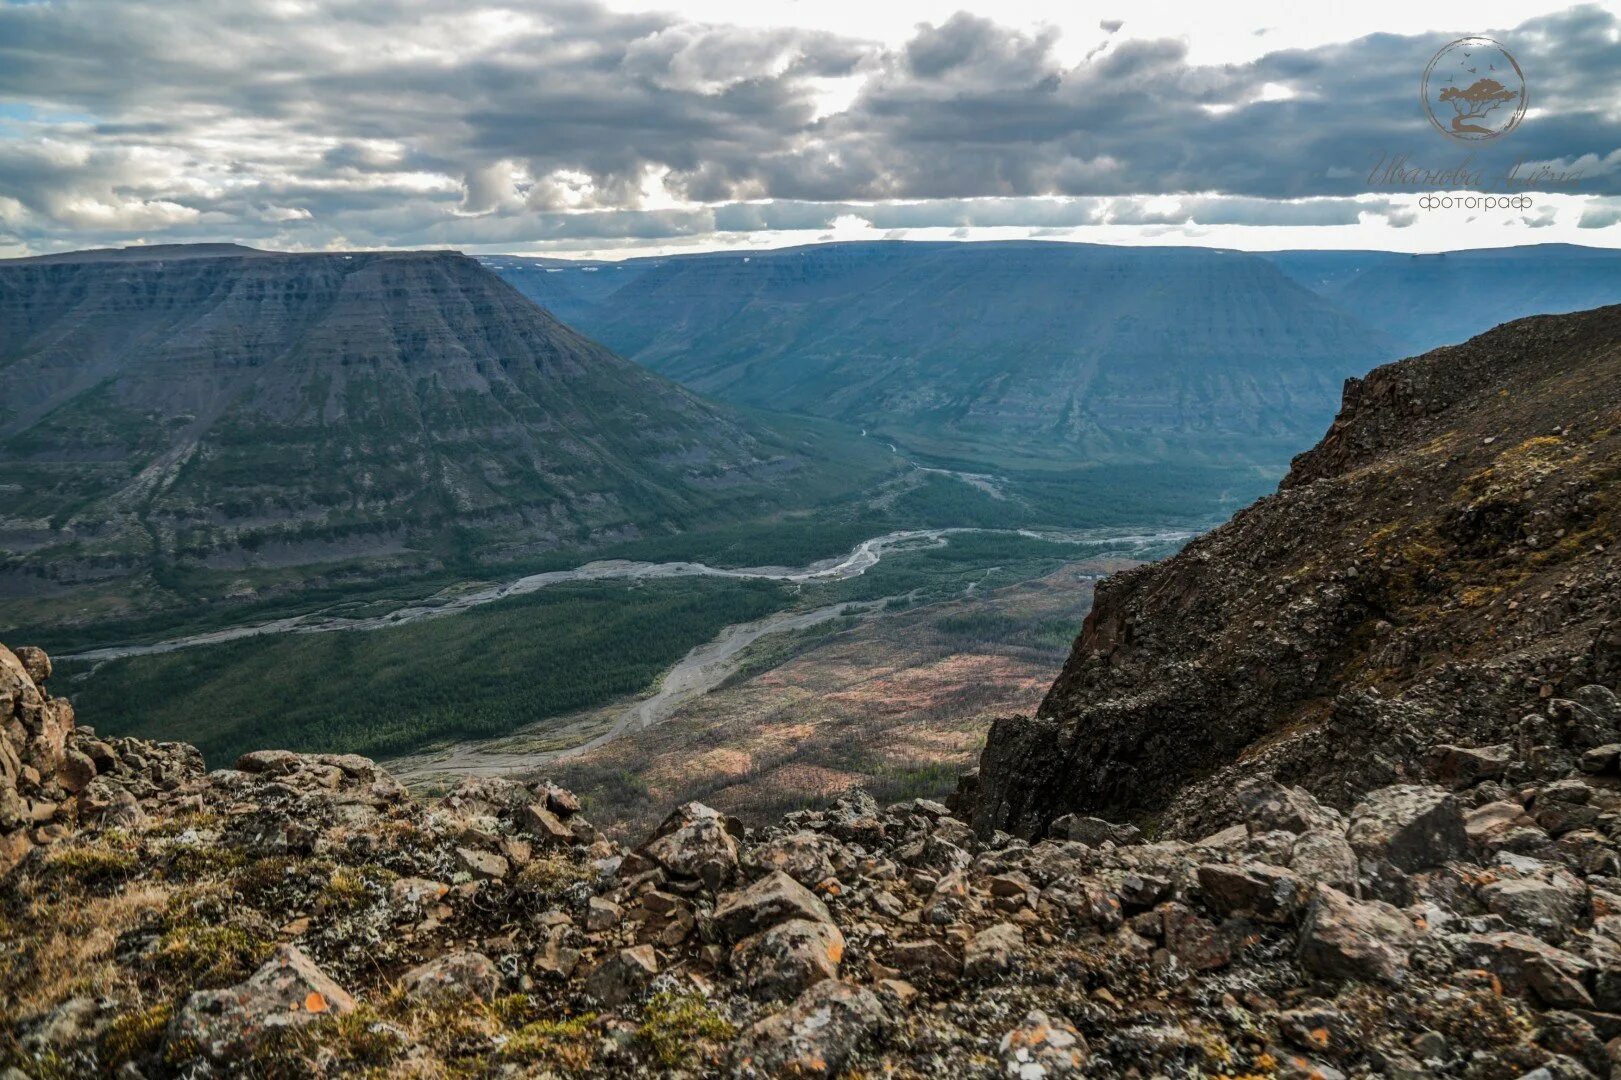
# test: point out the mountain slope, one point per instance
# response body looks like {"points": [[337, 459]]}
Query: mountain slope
{"points": [[1424, 301], [1037, 351], [280, 409], [1436, 570]]}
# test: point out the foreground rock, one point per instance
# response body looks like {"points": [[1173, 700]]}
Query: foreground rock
{"points": [[227, 1025], [301, 915]]}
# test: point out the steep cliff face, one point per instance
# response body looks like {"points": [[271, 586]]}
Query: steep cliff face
{"points": [[1443, 567], [209, 407]]}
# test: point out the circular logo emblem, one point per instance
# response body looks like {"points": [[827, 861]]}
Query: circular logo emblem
{"points": [[1473, 89]]}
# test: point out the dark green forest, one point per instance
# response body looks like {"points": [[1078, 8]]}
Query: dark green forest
{"points": [[383, 692]]}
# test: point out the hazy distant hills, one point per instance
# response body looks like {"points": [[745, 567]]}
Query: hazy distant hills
{"points": [[1055, 351], [1058, 352], [230, 408], [1428, 300]]}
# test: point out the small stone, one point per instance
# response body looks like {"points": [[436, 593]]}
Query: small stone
{"points": [[1043, 1045], [623, 976], [415, 893], [458, 974], [602, 914], [482, 864], [993, 951], [926, 957], [558, 957]]}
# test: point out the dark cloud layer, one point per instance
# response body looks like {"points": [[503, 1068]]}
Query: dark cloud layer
{"points": [[398, 122]]}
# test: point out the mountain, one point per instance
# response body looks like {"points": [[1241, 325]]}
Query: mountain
{"points": [[1441, 570], [1044, 352], [1424, 301], [571, 289], [225, 410]]}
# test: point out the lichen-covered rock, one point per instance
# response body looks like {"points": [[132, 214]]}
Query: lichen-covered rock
{"points": [[1043, 1046], [1411, 827], [226, 1025], [458, 974], [993, 951], [773, 899], [1342, 938], [788, 958], [814, 1036], [624, 975], [1268, 893], [695, 842]]}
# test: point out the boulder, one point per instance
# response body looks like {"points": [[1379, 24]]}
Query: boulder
{"points": [[1268, 806], [1545, 905], [1254, 890], [225, 1025], [807, 857], [993, 951], [694, 842], [1325, 857], [814, 1036], [539, 821], [1093, 831], [623, 976], [1412, 827], [1490, 825], [458, 974], [1457, 767], [789, 958], [1197, 943], [773, 899], [1342, 938], [1524, 964]]}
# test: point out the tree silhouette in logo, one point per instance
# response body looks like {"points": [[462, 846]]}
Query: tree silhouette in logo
{"points": [[1473, 103]]}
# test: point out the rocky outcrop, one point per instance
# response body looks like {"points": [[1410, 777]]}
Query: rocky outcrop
{"points": [[1441, 573], [302, 915], [56, 775]]}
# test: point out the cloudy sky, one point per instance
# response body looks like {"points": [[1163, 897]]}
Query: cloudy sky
{"points": [[610, 128]]}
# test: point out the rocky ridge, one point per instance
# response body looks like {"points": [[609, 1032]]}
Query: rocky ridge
{"points": [[304, 916], [1441, 570]]}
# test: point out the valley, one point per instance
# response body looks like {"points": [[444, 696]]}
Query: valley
{"points": [[523, 658], [382, 503]]}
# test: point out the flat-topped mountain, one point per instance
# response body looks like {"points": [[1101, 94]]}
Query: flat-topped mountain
{"points": [[1035, 351], [1424, 301], [1443, 568], [226, 409]]}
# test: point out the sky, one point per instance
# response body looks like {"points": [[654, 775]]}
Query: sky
{"points": [[610, 128]]}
